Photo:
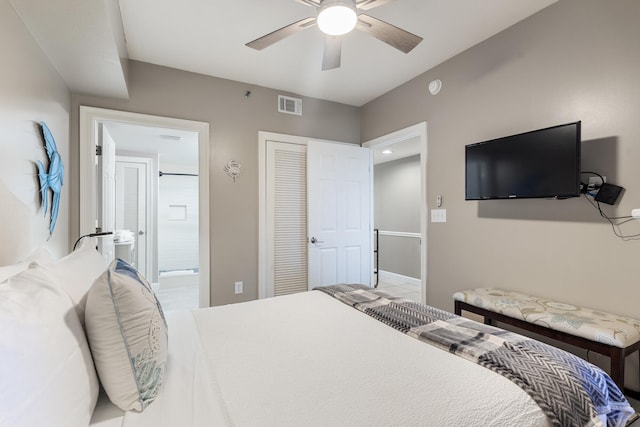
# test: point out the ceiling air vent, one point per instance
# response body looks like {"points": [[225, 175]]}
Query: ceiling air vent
{"points": [[289, 105]]}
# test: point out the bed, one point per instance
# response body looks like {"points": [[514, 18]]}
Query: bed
{"points": [[338, 356]]}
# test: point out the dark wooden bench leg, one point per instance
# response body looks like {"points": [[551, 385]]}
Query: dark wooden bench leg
{"points": [[632, 393], [617, 366]]}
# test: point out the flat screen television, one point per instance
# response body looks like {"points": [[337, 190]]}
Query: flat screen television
{"points": [[543, 163]]}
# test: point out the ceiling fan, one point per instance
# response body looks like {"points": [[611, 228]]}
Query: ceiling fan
{"points": [[339, 17]]}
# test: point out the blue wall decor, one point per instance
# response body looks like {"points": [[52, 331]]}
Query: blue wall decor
{"points": [[52, 179]]}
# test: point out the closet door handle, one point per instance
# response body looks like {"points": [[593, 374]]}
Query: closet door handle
{"points": [[314, 240]]}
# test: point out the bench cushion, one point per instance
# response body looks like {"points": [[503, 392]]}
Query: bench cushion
{"points": [[594, 325]]}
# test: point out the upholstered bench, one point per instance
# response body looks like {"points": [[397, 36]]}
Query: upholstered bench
{"points": [[608, 334]]}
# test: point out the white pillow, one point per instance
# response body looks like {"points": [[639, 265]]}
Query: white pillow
{"points": [[128, 336], [39, 255], [76, 273], [47, 377], [11, 270]]}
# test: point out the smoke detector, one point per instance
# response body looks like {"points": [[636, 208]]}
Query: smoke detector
{"points": [[435, 86]]}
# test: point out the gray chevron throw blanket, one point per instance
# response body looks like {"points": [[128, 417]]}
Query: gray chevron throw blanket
{"points": [[570, 391]]}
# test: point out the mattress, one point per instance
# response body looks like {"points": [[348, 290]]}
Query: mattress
{"points": [[307, 359]]}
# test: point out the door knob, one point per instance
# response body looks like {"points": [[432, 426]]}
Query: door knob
{"points": [[140, 233], [314, 240]]}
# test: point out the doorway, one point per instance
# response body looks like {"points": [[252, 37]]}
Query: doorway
{"points": [[315, 221], [147, 228], [405, 158]]}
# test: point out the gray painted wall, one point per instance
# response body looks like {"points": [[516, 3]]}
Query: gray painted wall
{"points": [[234, 123], [30, 91], [397, 208], [576, 60]]}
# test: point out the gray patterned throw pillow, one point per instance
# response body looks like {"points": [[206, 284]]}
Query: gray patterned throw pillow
{"points": [[127, 334]]}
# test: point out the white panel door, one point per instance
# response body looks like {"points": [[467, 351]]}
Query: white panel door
{"points": [[106, 197], [131, 207], [339, 214]]}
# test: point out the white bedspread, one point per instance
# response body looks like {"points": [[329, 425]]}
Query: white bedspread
{"points": [[187, 397], [307, 359]]}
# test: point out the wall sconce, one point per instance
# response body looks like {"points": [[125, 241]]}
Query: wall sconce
{"points": [[104, 233], [233, 169]]}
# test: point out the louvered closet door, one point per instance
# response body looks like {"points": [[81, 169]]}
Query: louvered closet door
{"points": [[287, 217]]}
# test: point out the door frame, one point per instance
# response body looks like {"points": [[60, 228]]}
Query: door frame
{"points": [[416, 131], [263, 137], [90, 118]]}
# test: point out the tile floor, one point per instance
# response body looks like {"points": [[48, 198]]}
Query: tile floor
{"points": [[399, 288]]}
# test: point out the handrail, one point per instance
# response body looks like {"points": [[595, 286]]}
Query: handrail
{"points": [[376, 251], [400, 234]]}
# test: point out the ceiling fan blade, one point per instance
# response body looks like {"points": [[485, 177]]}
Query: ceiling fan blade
{"points": [[332, 53], [277, 35], [390, 34], [370, 4]]}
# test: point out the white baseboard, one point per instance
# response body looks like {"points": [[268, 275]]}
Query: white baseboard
{"points": [[399, 277]]}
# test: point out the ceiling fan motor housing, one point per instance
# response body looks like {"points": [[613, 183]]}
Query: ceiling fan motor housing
{"points": [[337, 17], [327, 3]]}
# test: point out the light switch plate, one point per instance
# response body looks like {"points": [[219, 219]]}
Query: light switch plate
{"points": [[438, 215]]}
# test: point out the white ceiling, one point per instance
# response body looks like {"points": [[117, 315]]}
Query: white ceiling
{"points": [[85, 39], [209, 38], [399, 150]]}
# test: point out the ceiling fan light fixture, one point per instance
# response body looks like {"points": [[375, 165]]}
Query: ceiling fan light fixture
{"points": [[337, 17]]}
